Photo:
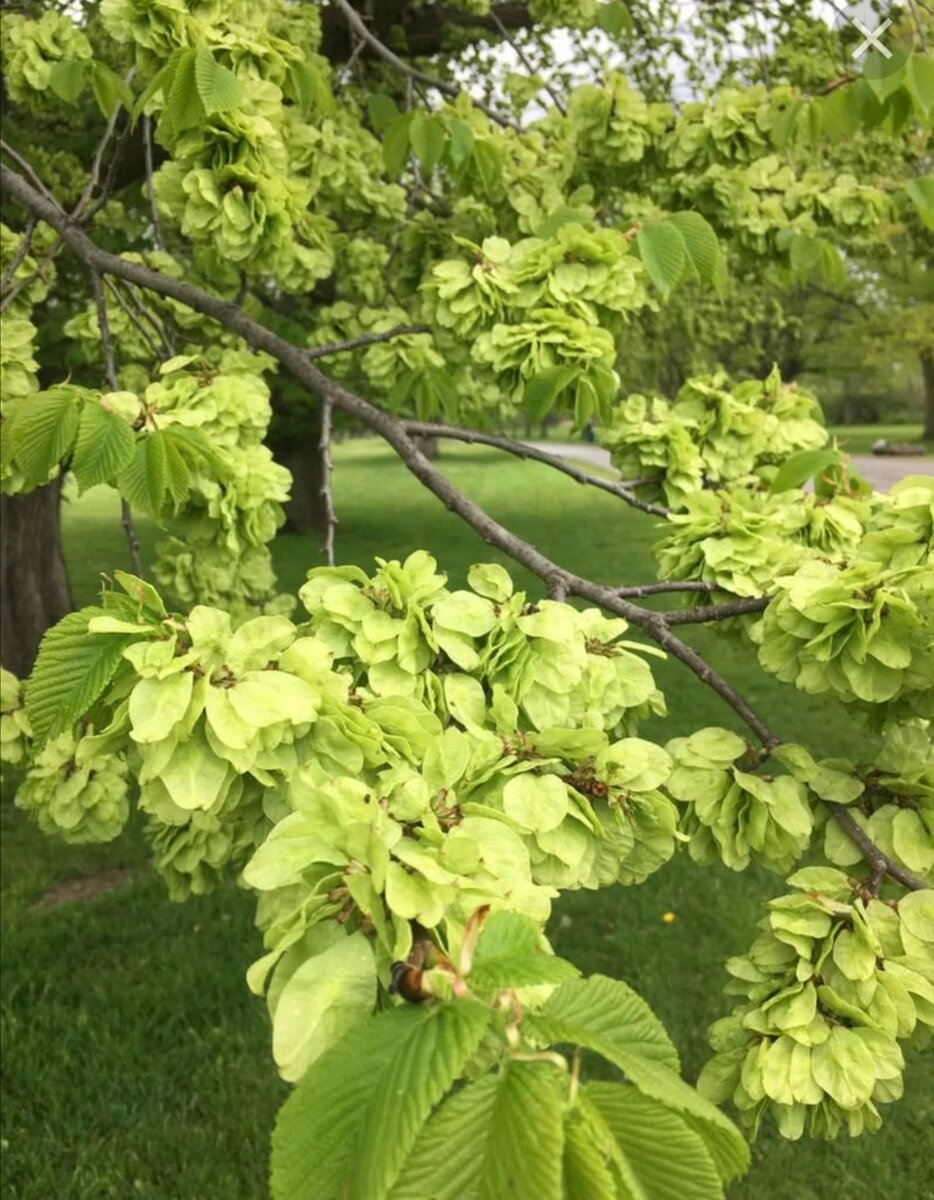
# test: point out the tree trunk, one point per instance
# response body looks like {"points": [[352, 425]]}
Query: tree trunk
{"points": [[927, 372], [304, 513], [34, 591]]}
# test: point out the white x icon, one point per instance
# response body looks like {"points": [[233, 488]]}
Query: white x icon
{"points": [[872, 39]]}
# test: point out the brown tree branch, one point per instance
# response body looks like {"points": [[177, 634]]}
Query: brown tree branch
{"points": [[560, 582], [702, 613], [21, 251], [364, 339], [879, 863], [327, 472], [394, 432], [150, 191], [359, 27], [527, 451], [110, 370], [637, 591]]}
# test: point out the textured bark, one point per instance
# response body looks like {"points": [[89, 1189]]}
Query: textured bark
{"points": [[927, 372], [34, 591]]}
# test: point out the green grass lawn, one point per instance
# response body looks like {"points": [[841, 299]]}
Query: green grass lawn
{"points": [[858, 439], [136, 1064]]}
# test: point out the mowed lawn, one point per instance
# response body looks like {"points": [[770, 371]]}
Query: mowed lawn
{"points": [[137, 1064]]}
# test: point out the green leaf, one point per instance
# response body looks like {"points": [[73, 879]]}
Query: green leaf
{"points": [[353, 1119], [659, 1156], [701, 242], [320, 1001], [460, 141], [664, 253], [916, 912], [805, 252], [104, 446], [427, 137], [784, 128], [109, 89], [382, 111], [800, 467], [921, 193], [44, 429], [543, 389], [396, 145], [317, 1128], [919, 74], [310, 89], [218, 88], [72, 670], [183, 106], [497, 1139], [418, 1076], [448, 1156], [605, 1015], [161, 81], [68, 79], [589, 1169], [884, 75], [511, 953], [614, 18]]}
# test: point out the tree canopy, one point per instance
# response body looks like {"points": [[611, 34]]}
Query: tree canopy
{"points": [[226, 226]]}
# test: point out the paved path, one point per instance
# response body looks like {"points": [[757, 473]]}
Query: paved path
{"points": [[881, 471]]}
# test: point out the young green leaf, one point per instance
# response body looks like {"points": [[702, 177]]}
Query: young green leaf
{"points": [[800, 467], [701, 243], [68, 79], [72, 670], [427, 137], [43, 431], [664, 253], [104, 445], [658, 1155], [218, 88]]}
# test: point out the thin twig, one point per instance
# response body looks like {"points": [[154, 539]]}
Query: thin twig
{"points": [[525, 450], [110, 371], [637, 591], [29, 171], [150, 191], [365, 339], [327, 470], [520, 54], [147, 314], [702, 613], [21, 251], [132, 317], [359, 26], [877, 860]]}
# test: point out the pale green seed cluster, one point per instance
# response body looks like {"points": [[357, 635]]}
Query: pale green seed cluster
{"points": [[76, 789], [218, 549], [713, 434], [831, 986], [735, 816], [860, 631], [15, 730]]}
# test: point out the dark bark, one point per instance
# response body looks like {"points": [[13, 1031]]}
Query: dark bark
{"points": [[927, 373], [34, 591], [305, 512]]}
